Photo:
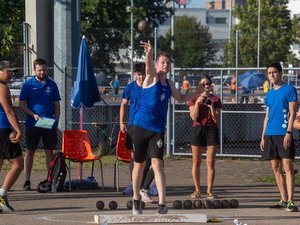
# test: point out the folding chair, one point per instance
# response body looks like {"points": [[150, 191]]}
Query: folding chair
{"points": [[77, 148], [123, 154]]}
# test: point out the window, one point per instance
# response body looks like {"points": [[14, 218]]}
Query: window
{"points": [[221, 20]]}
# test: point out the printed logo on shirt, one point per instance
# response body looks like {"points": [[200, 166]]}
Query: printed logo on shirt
{"points": [[159, 143], [285, 118], [48, 89], [162, 97]]}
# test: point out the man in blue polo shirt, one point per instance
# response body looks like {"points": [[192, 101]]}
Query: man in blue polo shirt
{"points": [[39, 98]]}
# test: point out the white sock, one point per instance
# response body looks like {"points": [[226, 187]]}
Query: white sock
{"points": [[3, 192]]}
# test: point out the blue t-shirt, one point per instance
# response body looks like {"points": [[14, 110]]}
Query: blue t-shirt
{"points": [[132, 93], [4, 123], [40, 98], [153, 107], [115, 84], [278, 103]]}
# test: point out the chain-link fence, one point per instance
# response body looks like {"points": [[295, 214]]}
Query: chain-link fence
{"points": [[241, 121]]}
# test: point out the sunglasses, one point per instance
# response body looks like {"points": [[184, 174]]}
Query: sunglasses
{"points": [[205, 84]]}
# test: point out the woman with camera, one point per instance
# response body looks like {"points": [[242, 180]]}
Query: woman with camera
{"points": [[205, 113]]}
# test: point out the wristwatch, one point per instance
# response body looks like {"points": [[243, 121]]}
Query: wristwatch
{"points": [[289, 132]]}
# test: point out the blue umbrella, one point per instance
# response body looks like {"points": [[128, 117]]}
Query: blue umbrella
{"points": [[252, 79], [86, 91]]}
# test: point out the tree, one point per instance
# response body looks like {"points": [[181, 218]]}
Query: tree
{"points": [[11, 27], [193, 45], [275, 34], [106, 23]]}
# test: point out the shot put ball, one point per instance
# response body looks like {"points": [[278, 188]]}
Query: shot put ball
{"points": [[187, 204], [207, 204], [225, 204], [113, 205], [100, 205], [217, 204], [143, 25], [177, 204], [129, 204], [197, 204], [234, 203], [12, 135]]}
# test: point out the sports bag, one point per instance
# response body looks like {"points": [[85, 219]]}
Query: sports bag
{"points": [[56, 175]]}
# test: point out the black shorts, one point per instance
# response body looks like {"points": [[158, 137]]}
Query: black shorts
{"points": [[145, 139], [128, 142], [35, 134], [273, 149], [8, 150], [205, 136]]}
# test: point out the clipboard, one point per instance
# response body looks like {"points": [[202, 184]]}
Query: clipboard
{"points": [[45, 122]]}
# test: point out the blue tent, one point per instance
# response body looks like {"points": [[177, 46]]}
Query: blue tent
{"points": [[251, 79]]}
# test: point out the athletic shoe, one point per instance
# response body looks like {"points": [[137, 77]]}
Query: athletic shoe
{"points": [[4, 205], [145, 196], [280, 205], [195, 195], [137, 207], [153, 190], [162, 209], [291, 207], [26, 186], [211, 195], [128, 190]]}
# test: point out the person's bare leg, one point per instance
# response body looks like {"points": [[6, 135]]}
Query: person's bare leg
{"points": [[197, 159], [29, 163], [210, 164], [137, 176], [17, 165], [160, 179], [280, 180], [290, 177], [49, 157]]}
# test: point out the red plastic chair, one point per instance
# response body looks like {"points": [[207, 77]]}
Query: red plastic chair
{"points": [[77, 148], [123, 154]]}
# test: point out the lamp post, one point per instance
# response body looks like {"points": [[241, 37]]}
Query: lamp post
{"points": [[258, 33], [131, 38]]}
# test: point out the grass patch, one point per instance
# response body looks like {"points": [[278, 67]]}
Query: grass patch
{"points": [[39, 163], [271, 180]]}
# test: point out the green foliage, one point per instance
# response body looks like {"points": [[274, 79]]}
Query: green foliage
{"points": [[10, 27], [193, 45], [106, 24], [276, 34], [271, 180]]}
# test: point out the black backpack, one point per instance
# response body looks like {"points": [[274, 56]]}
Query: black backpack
{"points": [[57, 173]]}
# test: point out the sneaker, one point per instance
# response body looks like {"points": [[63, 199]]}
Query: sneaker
{"points": [[145, 196], [280, 205], [291, 207], [128, 190], [162, 209], [26, 186], [137, 207], [211, 195], [195, 195], [153, 190], [4, 205]]}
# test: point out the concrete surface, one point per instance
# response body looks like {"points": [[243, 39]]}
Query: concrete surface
{"points": [[235, 179]]}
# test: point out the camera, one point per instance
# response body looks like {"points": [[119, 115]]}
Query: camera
{"points": [[207, 101]]}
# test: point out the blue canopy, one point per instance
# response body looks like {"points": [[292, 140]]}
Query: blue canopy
{"points": [[252, 79], [86, 91]]}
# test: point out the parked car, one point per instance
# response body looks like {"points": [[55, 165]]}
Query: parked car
{"points": [[216, 82]]}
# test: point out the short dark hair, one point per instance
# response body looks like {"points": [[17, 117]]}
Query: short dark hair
{"points": [[39, 61], [165, 55], [139, 68], [275, 65]]}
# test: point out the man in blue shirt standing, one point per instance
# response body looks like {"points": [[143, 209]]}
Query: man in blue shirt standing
{"points": [[39, 98], [277, 143]]}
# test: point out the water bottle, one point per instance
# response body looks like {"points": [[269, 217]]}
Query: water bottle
{"points": [[53, 186], [237, 222]]}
